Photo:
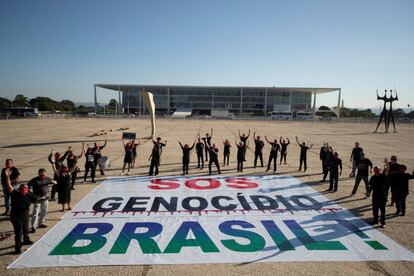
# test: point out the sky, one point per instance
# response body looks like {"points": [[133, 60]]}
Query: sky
{"points": [[60, 48]]}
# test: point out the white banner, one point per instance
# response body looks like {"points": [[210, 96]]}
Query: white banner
{"points": [[183, 220]]}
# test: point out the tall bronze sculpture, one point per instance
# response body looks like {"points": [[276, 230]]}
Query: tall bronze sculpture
{"points": [[386, 115]]}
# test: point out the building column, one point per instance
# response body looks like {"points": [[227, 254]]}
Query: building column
{"points": [[314, 103], [95, 99], [241, 101], [265, 103], [119, 100], [168, 101], [290, 100], [338, 108]]}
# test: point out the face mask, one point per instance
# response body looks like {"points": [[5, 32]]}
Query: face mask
{"points": [[42, 177], [24, 191]]}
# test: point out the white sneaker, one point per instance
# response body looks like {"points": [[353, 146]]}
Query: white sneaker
{"points": [[122, 174], [128, 173]]}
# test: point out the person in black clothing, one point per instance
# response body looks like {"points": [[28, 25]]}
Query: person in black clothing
{"points": [[97, 154], [258, 149], [14, 178], [155, 156], [207, 143], [273, 154], [134, 151], [303, 154], [186, 156], [129, 155], [326, 156], [364, 165], [377, 187], [334, 163], [241, 149], [355, 156], [391, 180], [401, 190], [283, 149], [244, 139], [57, 159], [213, 151], [72, 161], [199, 151], [226, 152], [64, 184], [89, 163], [40, 186], [19, 213]]}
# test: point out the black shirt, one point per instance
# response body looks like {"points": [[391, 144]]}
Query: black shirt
{"points": [[303, 150], [378, 187], [363, 166], [186, 152], [13, 176], [356, 153], [275, 148], [20, 205], [72, 161], [259, 144], [199, 147], [40, 187], [227, 149], [213, 153], [284, 147], [207, 140], [334, 163], [240, 152], [400, 187], [244, 139]]}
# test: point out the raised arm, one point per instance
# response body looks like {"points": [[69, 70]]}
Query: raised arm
{"points": [[191, 148], [311, 146], [280, 140], [297, 140], [83, 148], [288, 141], [104, 145], [181, 145], [239, 132], [248, 134], [267, 139], [8, 182], [211, 134]]}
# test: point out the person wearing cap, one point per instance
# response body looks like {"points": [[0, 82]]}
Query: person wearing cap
{"points": [[40, 187], [14, 178], [19, 213]]}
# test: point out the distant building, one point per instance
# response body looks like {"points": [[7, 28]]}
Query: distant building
{"points": [[236, 100]]}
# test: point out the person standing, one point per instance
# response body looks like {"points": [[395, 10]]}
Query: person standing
{"points": [[273, 154], [241, 149], [283, 149], [364, 166], [244, 139], [129, 155], [258, 149], [57, 159], [391, 180], [72, 162], [355, 156], [213, 152], [19, 213], [334, 163], [64, 184], [89, 164], [155, 156], [303, 154], [199, 151], [40, 188], [97, 155], [186, 156], [326, 161], [322, 155], [226, 152], [14, 179], [377, 187], [207, 143], [401, 190], [160, 147]]}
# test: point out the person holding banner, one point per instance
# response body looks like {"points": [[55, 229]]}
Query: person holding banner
{"points": [[97, 154], [129, 155], [213, 152], [283, 149], [199, 151], [186, 156], [303, 154], [226, 152], [19, 213], [273, 154]]}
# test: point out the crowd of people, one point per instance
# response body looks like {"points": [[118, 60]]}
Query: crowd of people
{"points": [[388, 177]]}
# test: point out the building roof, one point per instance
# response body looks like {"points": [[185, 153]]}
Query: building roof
{"points": [[122, 87]]}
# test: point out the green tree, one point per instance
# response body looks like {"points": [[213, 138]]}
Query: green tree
{"points": [[4, 102], [67, 105], [20, 101], [112, 103]]}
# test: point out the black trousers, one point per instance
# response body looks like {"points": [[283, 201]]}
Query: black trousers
{"points": [[378, 205], [240, 165], [333, 180], [283, 157], [226, 157], [216, 162], [400, 202], [74, 175], [207, 153], [325, 168], [89, 166], [200, 160], [185, 166], [21, 231], [260, 156], [302, 161], [272, 156], [154, 166], [358, 179]]}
